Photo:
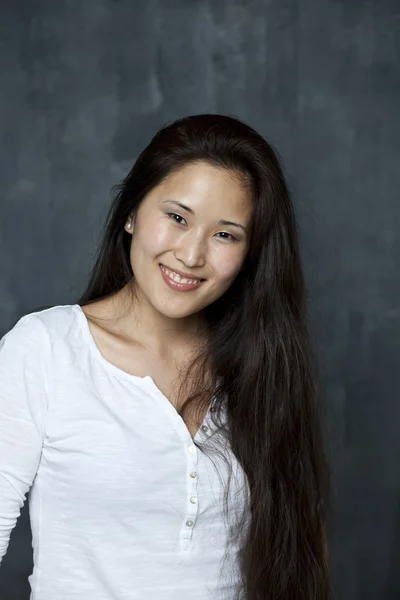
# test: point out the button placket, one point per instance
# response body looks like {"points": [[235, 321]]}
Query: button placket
{"points": [[192, 484], [191, 499], [192, 504], [192, 509]]}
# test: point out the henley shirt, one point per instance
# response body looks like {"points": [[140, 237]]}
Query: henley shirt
{"points": [[122, 504]]}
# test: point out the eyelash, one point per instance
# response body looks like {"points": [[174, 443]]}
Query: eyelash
{"points": [[172, 215]]}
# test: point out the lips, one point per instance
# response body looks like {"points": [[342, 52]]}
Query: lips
{"points": [[179, 281]]}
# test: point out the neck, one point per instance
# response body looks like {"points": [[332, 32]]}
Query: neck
{"points": [[159, 333]]}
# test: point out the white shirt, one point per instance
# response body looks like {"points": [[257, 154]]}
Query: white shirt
{"points": [[123, 506]]}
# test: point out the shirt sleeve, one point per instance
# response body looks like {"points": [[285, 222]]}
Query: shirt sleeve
{"points": [[23, 409]]}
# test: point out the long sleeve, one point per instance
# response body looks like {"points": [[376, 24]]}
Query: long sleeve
{"points": [[23, 408]]}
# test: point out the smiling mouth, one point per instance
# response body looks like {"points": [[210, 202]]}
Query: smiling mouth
{"points": [[175, 277]]}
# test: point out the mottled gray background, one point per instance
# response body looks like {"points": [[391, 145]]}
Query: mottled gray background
{"points": [[85, 84]]}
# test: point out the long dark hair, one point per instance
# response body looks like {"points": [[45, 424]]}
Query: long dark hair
{"points": [[258, 352]]}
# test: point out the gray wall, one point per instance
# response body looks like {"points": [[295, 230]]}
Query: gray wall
{"points": [[84, 85]]}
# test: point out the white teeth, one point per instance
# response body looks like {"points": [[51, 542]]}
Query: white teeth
{"points": [[178, 278]]}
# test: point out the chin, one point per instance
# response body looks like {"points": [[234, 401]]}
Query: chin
{"points": [[176, 312]]}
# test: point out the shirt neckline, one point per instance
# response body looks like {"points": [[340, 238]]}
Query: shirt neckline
{"points": [[147, 380], [94, 347]]}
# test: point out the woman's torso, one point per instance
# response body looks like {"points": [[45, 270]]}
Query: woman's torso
{"points": [[123, 505]]}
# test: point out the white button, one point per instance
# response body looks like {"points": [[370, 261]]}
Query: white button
{"points": [[192, 449], [204, 428], [193, 474], [189, 523], [193, 499]]}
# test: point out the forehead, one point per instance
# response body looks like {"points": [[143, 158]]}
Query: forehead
{"points": [[207, 190]]}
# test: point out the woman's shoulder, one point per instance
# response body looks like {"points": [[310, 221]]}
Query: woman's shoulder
{"points": [[44, 322]]}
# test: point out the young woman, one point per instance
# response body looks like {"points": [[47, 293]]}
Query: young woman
{"points": [[167, 423]]}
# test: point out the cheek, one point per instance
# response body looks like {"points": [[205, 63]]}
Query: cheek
{"points": [[227, 263], [155, 240]]}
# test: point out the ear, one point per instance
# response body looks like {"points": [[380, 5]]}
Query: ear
{"points": [[130, 224]]}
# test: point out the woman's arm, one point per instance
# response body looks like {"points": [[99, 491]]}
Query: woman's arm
{"points": [[23, 407]]}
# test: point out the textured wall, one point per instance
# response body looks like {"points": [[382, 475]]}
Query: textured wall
{"points": [[83, 87]]}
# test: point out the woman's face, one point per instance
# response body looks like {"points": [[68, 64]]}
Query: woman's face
{"points": [[191, 227]]}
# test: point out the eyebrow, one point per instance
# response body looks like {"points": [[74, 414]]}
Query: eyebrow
{"points": [[191, 211]]}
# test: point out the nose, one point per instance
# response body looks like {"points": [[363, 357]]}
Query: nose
{"points": [[192, 251]]}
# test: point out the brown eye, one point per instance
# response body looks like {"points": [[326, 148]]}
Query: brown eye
{"points": [[175, 217], [229, 236]]}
